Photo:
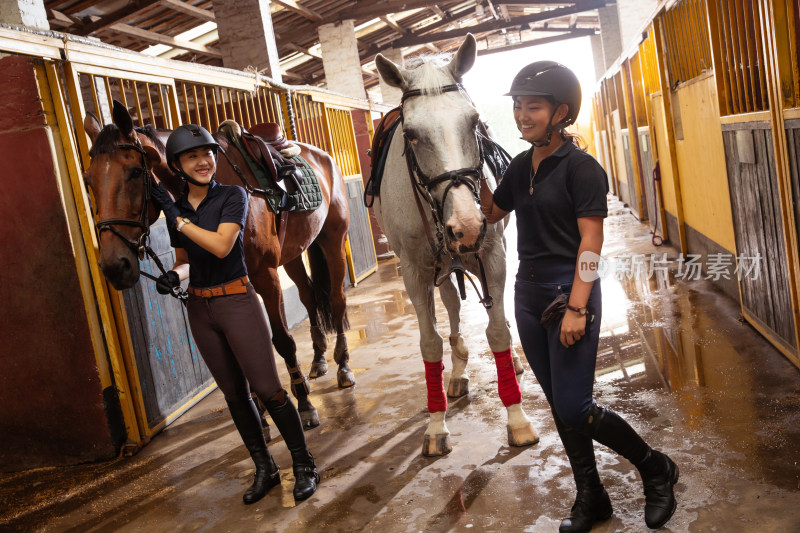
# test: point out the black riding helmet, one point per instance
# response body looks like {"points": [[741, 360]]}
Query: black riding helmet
{"points": [[185, 138], [553, 81]]}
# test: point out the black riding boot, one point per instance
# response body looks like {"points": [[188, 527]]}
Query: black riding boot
{"points": [[592, 503], [245, 417], [287, 420], [659, 473]]}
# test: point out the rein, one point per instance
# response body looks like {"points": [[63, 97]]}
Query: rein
{"points": [[423, 184], [141, 246]]}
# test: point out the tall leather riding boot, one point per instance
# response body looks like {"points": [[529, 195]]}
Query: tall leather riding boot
{"points": [[659, 473], [592, 503], [246, 419], [287, 420]]}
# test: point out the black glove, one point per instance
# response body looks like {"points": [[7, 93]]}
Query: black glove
{"points": [[167, 281], [160, 195], [555, 311]]}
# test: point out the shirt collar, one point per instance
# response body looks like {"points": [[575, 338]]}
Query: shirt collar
{"points": [[212, 189]]}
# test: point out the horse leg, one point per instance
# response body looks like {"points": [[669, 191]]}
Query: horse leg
{"points": [[436, 441], [520, 429], [459, 379], [267, 284], [297, 272], [335, 258]]}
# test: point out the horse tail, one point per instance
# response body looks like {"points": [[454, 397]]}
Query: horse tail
{"points": [[321, 283]]}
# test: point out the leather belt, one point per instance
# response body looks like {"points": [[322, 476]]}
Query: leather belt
{"points": [[237, 286]]}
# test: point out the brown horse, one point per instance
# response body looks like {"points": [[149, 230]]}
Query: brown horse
{"points": [[123, 155]]}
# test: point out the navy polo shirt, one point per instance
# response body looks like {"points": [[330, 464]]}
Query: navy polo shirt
{"points": [[569, 184], [223, 203]]}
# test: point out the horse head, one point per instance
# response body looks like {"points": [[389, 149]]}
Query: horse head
{"points": [[122, 158], [439, 125]]}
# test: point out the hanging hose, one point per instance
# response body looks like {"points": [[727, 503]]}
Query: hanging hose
{"points": [[656, 188]]}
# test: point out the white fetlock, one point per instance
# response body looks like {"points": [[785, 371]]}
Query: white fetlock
{"points": [[520, 429], [518, 368], [459, 379], [436, 441]]}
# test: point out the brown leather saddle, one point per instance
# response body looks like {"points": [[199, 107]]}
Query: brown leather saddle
{"points": [[263, 144]]}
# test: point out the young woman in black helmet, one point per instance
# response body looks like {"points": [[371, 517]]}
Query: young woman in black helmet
{"points": [[559, 195], [227, 320]]}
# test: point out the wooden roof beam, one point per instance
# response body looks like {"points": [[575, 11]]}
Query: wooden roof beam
{"points": [[368, 9], [306, 51], [128, 11], [389, 21], [498, 24], [571, 34], [188, 9], [157, 38], [57, 19], [295, 6]]}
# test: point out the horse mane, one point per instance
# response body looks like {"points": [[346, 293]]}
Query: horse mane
{"points": [[107, 139], [428, 74]]}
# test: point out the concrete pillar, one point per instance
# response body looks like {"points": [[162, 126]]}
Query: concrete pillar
{"points": [[246, 37], [609, 31], [632, 16], [597, 55], [391, 95], [30, 13], [340, 58]]}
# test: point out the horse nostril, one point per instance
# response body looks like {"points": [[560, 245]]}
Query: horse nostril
{"points": [[124, 264], [455, 235]]}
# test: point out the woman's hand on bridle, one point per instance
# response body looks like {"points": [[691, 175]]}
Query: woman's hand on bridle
{"points": [[160, 196]]}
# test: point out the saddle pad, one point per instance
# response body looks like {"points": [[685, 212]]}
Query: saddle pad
{"points": [[380, 147], [309, 185]]}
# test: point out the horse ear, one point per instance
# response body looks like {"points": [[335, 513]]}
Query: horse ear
{"points": [[91, 126], [390, 72], [152, 155], [464, 58], [122, 119]]}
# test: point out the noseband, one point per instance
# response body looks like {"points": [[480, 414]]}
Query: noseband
{"points": [[141, 246], [423, 185]]}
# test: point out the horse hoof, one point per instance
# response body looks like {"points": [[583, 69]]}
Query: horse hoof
{"points": [[458, 387], [436, 445], [345, 378], [310, 418], [522, 435], [318, 368], [518, 368]]}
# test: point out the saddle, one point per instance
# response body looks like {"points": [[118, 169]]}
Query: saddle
{"points": [[286, 180], [377, 153]]}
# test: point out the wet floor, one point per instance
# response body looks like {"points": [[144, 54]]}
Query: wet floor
{"points": [[676, 360]]}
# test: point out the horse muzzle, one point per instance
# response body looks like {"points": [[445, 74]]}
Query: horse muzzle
{"points": [[121, 269]]}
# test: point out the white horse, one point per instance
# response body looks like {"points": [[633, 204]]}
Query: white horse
{"points": [[443, 228]]}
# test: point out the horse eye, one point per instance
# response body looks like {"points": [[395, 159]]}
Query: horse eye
{"points": [[136, 173]]}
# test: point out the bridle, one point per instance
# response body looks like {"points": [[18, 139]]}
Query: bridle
{"points": [[140, 246], [423, 185]]}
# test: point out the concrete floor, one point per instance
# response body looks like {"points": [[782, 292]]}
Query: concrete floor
{"points": [[676, 360]]}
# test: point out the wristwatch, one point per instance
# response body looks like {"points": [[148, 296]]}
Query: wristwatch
{"points": [[182, 223], [580, 310]]}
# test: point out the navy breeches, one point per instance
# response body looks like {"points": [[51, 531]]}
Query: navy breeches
{"points": [[565, 374]]}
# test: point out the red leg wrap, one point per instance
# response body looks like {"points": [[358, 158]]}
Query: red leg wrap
{"points": [[507, 385], [437, 401]]}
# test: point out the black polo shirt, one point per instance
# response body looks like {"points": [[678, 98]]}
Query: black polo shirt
{"points": [[223, 203], [568, 185]]}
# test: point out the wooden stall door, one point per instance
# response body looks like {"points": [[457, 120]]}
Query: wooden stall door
{"points": [[171, 371], [630, 195], [652, 197], [756, 211], [362, 249]]}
